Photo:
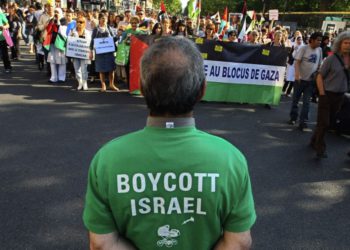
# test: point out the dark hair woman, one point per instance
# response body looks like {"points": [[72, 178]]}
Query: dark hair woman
{"points": [[181, 29], [157, 29]]}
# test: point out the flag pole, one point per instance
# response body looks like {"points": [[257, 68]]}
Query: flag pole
{"points": [[199, 15]]}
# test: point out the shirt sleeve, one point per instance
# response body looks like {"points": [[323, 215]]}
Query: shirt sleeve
{"points": [[242, 215], [97, 215], [325, 67], [299, 54]]}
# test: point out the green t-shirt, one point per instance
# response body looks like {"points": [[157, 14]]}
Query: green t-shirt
{"points": [[174, 188], [3, 21]]}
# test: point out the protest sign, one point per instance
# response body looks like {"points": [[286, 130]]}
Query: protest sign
{"points": [[273, 15], [104, 45], [78, 47]]}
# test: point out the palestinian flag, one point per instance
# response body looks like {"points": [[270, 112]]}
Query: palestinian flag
{"points": [[138, 46], [51, 29], [243, 73], [193, 9], [235, 72]]}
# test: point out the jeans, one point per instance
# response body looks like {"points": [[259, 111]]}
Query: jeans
{"points": [[301, 88]]}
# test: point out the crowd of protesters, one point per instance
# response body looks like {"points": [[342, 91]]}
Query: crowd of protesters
{"points": [[36, 24]]}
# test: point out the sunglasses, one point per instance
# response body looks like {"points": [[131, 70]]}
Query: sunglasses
{"points": [[81, 22]]}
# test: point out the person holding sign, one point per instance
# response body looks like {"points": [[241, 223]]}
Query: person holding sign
{"points": [[80, 65], [104, 60], [56, 56]]}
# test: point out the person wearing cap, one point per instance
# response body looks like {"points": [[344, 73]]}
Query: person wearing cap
{"points": [[154, 199]]}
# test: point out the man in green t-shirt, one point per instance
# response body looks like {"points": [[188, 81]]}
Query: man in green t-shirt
{"points": [[169, 186], [3, 45]]}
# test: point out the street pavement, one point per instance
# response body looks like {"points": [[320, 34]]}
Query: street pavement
{"points": [[49, 133]]}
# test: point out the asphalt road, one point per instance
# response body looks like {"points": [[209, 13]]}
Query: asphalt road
{"points": [[48, 135]]}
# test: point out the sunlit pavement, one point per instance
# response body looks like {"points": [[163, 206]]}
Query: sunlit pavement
{"points": [[49, 133]]}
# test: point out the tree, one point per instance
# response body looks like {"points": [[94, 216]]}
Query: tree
{"points": [[212, 6], [172, 6]]}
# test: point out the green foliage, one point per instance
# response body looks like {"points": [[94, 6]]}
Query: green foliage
{"points": [[212, 6], [172, 6]]}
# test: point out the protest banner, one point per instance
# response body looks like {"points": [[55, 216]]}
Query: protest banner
{"points": [[78, 47], [104, 45], [235, 72]]}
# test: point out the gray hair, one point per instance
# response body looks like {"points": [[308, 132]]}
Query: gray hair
{"points": [[338, 41], [172, 76]]}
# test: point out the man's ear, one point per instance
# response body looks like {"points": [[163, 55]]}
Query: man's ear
{"points": [[203, 89]]}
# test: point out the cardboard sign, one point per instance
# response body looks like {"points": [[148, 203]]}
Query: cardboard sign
{"points": [[78, 48], [104, 45], [273, 15]]}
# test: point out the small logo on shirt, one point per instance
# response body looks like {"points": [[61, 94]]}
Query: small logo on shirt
{"points": [[168, 236], [313, 58], [187, 221], [169, 125]]}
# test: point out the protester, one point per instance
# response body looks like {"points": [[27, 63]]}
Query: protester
{"points": [[277, 39], [80, 65], [253, 37], [56, 57], [157, 29], [44, 20], [290, 75], [326, 50], [210, 32], [307, 62], [15, 31], [181, 29], [4, 26], [332, 82], [31, 23], [166, 27], [211, 180], [232, 36], [104, 63]]}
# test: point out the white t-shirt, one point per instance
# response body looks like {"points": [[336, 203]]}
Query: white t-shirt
{"points": [[310, 61]]}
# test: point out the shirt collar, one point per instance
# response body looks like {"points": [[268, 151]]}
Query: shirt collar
{"points": [[170, 122]]}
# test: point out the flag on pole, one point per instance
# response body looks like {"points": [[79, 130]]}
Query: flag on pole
{"points": [[244, 10], [252, 16], [162, 6], [225, 16], [223, 21], [193, 9], [244, 27]]}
